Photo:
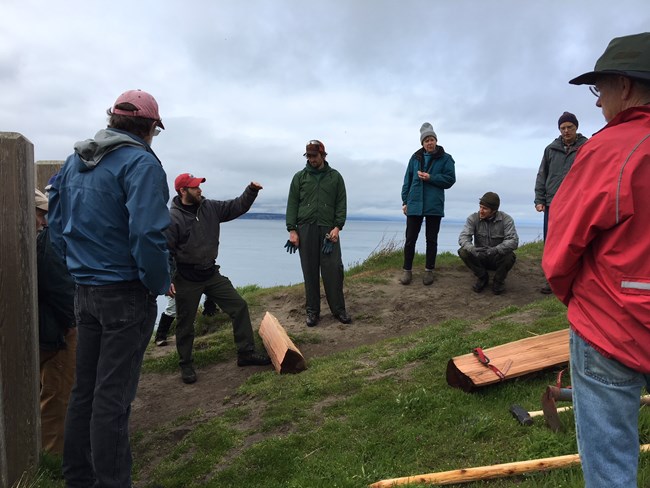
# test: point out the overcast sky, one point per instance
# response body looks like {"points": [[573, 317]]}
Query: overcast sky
{"points": [[243, 85]]}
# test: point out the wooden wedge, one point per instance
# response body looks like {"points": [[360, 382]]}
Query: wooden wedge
{"points": [[284, 354]]}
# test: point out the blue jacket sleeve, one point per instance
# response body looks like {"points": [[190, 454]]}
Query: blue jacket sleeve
{"points": [[146, 201]]}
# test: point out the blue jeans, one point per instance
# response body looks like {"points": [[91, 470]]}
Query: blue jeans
{"points": [[114, 324], [606, 407]]}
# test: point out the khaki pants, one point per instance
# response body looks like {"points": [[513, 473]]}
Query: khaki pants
{"points": [[57, 377]]}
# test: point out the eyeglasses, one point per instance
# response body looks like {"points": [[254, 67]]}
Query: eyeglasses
{"points": [[594, 90], [156, 131]]}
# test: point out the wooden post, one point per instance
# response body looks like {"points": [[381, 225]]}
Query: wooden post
{"points": [[19, 364], [285, 356], [45, 170]]}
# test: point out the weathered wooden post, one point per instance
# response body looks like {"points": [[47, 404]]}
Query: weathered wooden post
{"points": [[20, 425], [45, 170]]}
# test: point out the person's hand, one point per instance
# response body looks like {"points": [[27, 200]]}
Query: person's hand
{"points": [[333, 234], [255, 186], [172, 291], [328, 245], [477, 251], [491, 252], [290, 247], [540, 207], [294, 238], [404, 209], [424, 176]]}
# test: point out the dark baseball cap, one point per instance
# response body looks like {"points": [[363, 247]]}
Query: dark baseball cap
{"points": [[626, 56], [314, 147]]}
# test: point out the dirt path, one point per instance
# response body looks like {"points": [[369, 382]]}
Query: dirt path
{"points": [[381, 308]]}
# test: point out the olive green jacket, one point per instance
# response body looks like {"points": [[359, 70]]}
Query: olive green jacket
{"points": [[317, 197]]}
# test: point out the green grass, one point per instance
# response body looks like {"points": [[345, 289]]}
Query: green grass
{"points": [[372, 413]]}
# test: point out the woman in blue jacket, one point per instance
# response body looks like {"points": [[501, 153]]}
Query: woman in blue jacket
{"points": [[428, 174]]}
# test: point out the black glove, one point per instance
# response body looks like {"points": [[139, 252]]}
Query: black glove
{"points": [[478, 251], [491, 252], [328, 246], [290, 247], [209, 308]]}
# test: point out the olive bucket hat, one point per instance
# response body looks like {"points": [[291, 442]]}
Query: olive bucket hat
{"points": [[627, 56]]}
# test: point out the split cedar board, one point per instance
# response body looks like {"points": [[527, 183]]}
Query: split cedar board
{"points": [[284, 354], [512, 359]]}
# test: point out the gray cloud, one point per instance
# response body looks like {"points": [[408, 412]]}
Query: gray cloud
{"points": [[243, 85]]}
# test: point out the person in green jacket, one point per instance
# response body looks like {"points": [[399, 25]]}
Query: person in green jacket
{"points": [[316, 212], [429, 173]]}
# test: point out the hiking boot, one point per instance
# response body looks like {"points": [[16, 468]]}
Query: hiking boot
{"points": [[252, 359], [161, 342], [427, 279], [481, 283], [546, 289], [343, 317], [407, 276], [498, 287], [312, 319], [188, 375]]}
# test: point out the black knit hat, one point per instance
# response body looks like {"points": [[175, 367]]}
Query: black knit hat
{"points": [[490, 200], [567, 117]]}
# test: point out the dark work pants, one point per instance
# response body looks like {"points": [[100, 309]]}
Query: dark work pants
{"points": [[315, 264], [501, 264], [220, 290], [547, 209], [114, 326], [413, 226]]}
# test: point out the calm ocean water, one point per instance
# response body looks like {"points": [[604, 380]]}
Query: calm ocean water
{"points": [[252, 252]]}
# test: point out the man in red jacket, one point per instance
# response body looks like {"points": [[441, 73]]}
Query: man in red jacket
{"points": [[597, 262]]}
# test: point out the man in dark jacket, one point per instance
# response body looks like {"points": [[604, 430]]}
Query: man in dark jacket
{"points": [[57, 334], [556, 162], [487, 242], [193, 241], [316, 212]]}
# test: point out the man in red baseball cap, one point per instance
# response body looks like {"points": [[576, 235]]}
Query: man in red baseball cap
{"points": [[115, 247], [193, 241]]}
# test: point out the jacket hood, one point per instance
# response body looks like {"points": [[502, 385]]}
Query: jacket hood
{"points": [[558, 144], [91, 151]]}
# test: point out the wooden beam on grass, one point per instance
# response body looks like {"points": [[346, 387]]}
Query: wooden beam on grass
{"points": [[488, 472], [284, 354], [515, 359]]}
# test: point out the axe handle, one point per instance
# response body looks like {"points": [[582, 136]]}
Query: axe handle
{"points": [[539, 413]]}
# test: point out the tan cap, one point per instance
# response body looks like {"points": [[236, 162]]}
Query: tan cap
{"points": [[41, 200]]}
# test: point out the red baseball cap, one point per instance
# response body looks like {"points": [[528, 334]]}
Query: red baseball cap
{"points": [[187, 180], [146, 106]]}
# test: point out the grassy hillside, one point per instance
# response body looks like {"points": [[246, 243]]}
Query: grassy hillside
{"points": [[367, 414]]}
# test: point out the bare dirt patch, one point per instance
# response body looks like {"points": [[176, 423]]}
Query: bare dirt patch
{"points": [[381, 308]]}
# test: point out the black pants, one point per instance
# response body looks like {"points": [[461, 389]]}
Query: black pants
{"points": [[501, 264], [221, 291], [413, 226], [315, 264]]}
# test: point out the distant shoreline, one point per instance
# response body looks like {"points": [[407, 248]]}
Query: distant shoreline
{"points": [[371, 218]]}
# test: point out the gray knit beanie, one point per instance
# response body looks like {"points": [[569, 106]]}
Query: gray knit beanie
{"points": [[425, 131]]}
